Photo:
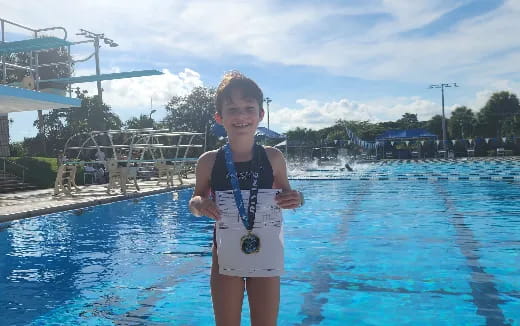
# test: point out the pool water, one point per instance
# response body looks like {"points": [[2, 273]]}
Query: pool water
{"points": [[432, 170], [360, 252]]}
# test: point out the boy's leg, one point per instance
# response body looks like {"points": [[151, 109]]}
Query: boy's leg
{"points": [[264, 299], [227, 293]]}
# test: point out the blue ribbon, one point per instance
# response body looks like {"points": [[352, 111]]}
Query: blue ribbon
{"points": [[248, 219]]}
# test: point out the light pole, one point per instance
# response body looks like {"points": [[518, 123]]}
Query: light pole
{"points": [[96, 37], [267, 101], [442, 86]]}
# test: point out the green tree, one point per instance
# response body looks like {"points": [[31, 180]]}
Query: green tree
{"points": [[63, 123], [408, 121], [498, 117], [91, 116], [461, 123], [193, 112], [434, 125], [55, 134], [143, 121], [303, 136], [363, 129]]}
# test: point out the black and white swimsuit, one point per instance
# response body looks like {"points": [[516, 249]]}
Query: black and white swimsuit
{"points": [[220, 180]]}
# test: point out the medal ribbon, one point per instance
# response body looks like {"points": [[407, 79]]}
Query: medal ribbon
{"points": [[248, 219]]}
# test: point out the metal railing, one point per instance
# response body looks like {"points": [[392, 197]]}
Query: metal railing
{"points": [[33, 68], [5, 163]]}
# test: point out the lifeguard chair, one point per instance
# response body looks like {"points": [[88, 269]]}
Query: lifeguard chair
{"points": [[120, 175]]}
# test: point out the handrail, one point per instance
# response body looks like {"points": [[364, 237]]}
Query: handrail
{"points": [[5, 160], [3, 21], [33, 67], [17, 25]]}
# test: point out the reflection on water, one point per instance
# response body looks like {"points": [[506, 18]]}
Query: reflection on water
{"points": [[359, 252]]}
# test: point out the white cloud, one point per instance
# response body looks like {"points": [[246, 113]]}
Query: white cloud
{"points": [[271, 31], [135, 93], [480, 53], [481, 97], [316, 115]]}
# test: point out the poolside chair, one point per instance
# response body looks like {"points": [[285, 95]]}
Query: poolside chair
{"points": [[165, 171], [501, 151], [128, 173], [114, 174], [65, 179], [120, 175]]}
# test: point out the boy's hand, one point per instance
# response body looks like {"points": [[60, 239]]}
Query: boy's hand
{"points": [[205, 207], [289, 199]]}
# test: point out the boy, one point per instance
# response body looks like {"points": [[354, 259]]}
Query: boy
{"points": [[239, 109]]}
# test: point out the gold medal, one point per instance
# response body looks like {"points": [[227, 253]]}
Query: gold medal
{"points": [[250, 243]]}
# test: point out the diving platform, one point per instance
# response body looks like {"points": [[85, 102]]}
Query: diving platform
{"points": [[102, 77], [41, 43], [14, 99]]}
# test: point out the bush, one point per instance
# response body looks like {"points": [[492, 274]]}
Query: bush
{"points": [[41, 171], [17, 149]]}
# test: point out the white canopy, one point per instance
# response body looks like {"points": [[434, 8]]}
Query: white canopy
{"points": [[14, 99], [281, 144]]}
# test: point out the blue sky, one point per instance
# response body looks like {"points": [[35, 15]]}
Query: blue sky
{"points": [[318, 61]]}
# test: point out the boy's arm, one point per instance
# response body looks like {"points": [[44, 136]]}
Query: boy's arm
{"points": [[200, 204], [288, 198]]}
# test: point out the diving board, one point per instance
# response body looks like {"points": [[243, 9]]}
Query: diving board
{"points": [[41, 43], [14, 99], [101, 77]]}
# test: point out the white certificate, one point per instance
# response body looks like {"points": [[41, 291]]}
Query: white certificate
{"points": [[268, 227]]}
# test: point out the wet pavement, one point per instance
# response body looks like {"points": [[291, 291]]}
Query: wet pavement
{"points": [[25, 204]]}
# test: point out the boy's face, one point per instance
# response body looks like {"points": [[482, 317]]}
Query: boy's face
{"points": [[240, 116]]}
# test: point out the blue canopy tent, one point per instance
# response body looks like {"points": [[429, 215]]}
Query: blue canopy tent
{"points": [[408, 134], [268, 133], [390, 136]]}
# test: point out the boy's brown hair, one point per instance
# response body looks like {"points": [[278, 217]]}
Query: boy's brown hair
{"points": [[236, 80]]}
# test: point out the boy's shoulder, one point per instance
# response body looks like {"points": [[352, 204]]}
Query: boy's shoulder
{"points": [[272, 150], [208, 157], [274, 154]]}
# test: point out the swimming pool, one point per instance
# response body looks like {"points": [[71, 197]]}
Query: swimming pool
{"points": [[362, 252]]}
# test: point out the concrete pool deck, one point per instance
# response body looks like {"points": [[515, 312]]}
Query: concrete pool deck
{"points": [[31, 203]]}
